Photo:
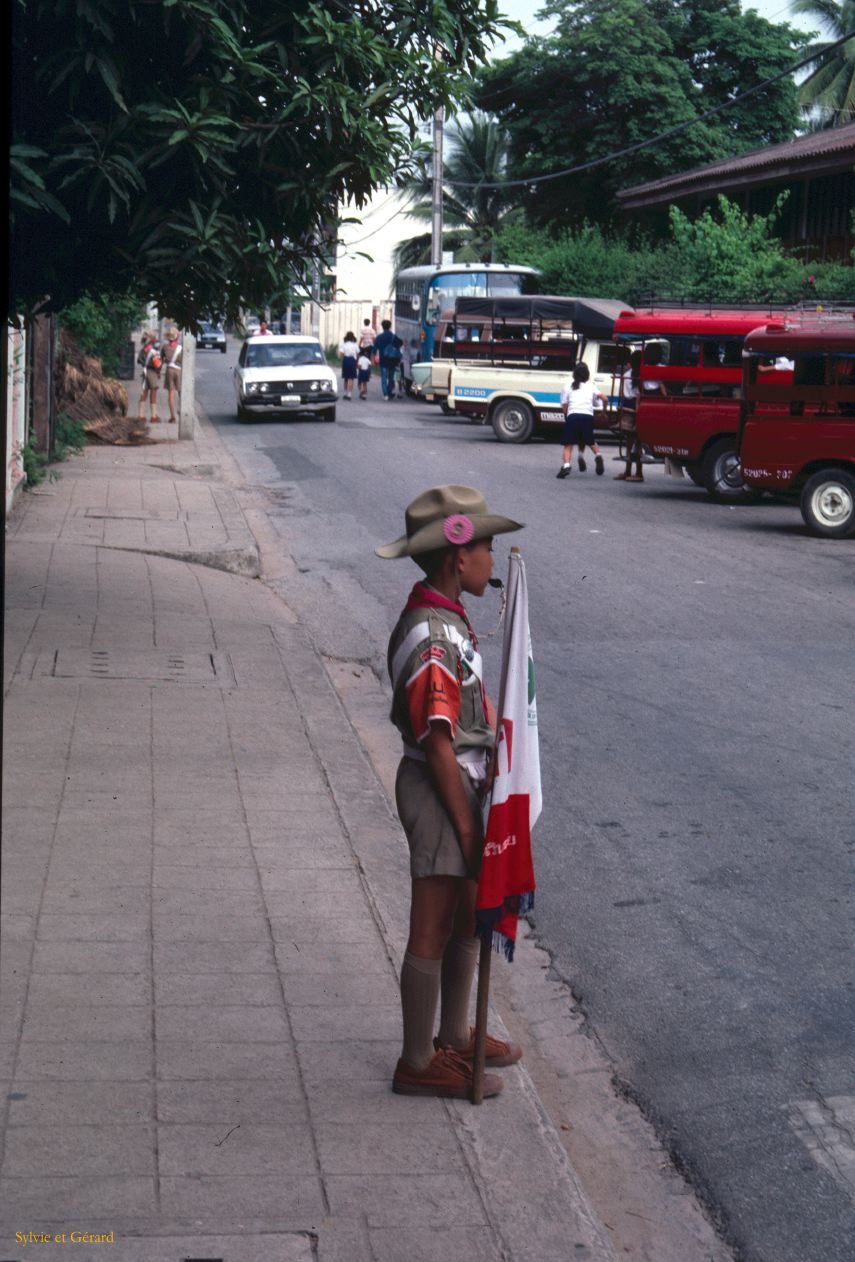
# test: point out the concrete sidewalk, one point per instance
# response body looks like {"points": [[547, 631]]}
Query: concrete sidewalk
{"points": [[202, 924]]}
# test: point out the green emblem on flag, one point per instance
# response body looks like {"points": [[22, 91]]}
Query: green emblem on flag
{"points": [[531, 685]]}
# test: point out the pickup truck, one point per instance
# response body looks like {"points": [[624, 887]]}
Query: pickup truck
{"points": [[518, 401]]}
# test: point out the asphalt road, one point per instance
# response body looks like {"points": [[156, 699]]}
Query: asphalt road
{"points": [[696, 694]]}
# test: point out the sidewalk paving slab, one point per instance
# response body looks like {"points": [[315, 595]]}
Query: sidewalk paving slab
{"points": [[200, 1010]]}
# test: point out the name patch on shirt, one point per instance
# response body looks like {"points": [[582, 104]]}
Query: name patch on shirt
{"points": [[433, 652]]}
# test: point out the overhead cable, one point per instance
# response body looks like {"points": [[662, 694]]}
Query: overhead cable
{"points": [[654, 140]]}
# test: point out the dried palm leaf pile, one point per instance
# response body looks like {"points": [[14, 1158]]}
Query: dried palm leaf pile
{"points": [[100, 402]]}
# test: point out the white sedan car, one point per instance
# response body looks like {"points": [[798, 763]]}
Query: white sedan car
{"points": [[278, 374]]}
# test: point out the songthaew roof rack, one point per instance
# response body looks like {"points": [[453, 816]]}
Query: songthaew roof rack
{"points": [[772, 306]]}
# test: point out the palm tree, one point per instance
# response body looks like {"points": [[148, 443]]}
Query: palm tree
{"points": [[477, 152], [829, 89]]}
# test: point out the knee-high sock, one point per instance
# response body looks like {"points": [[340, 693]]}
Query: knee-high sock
{"points": [[458, 968], [420, 981]]}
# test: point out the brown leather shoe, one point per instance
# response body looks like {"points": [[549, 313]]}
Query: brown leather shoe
{"points": [[448, 1075], [499, 1053]]}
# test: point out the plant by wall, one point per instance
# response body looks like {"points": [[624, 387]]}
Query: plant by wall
{"points": [[101, 323], [723, 256]]}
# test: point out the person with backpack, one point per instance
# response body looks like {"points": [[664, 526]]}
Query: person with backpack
{"points": [[149, 359], [388, 349], [171, 356]]}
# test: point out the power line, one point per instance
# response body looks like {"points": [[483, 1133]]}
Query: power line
{"points": [[655, 140]]}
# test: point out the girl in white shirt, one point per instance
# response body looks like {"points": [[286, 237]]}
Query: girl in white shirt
{"points": [[349, 352], [577, 404]]}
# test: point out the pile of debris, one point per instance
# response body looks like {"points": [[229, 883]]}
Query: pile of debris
{"points": [[100, 402]]}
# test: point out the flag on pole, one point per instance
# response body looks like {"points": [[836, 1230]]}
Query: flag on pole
{"points": [[506, 884]]}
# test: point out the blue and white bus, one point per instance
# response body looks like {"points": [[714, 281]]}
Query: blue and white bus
{"points": [[423, 293]]}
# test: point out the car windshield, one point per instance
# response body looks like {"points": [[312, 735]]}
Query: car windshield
{"points": [[284, 356]]}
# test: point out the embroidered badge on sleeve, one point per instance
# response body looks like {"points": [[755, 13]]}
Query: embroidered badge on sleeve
{"points": [[433, 694]]}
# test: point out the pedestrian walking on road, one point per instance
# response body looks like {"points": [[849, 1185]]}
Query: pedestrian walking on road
{"points": [[388, 348], [577, 403], [349, 352], [447, 725], [363, 374], [171, 354], [367, 337], [150, 361]]}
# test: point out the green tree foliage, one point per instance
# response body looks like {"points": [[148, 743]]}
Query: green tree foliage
{"points": [[476, 155], [585, 261], [732, 255], [724, 256], [829, 89], [198, 149], [101, 323], [617, 72]]}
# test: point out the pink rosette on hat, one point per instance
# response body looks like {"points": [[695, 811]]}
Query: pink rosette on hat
{"points": [[458, 528]]}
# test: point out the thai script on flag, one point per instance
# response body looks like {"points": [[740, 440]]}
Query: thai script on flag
{"points": [[506, 884]]}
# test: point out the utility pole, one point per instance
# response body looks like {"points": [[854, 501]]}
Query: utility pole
{"points": [[436, 207], [316, 297]]}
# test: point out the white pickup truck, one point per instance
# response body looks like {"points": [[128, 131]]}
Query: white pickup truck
{"points": [[517, 401], [504, 361]]}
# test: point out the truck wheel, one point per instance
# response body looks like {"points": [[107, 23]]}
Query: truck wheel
{"points": [[222, 350], [828, 503], [445, 409], [512, 421], [721, 472], [694, 472], [242, 415], [328, 414]]}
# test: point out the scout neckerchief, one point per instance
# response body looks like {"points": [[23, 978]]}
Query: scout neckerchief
{"points": [[423, 596]]}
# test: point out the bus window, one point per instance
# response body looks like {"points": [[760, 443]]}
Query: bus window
{"points": [[444, 289], [511, 283], [611, 359], [843, 370], [658, 351], [809, 370]]}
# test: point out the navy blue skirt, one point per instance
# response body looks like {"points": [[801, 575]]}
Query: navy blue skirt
{"points": [[578, 429], [348, 367]]}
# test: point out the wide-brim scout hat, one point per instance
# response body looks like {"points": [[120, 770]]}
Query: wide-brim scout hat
{"points": [[445, 516]]}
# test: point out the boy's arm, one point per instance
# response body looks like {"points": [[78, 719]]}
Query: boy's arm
{"points": [[445, 772]]}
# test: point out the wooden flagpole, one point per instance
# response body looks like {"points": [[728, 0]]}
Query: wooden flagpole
{"points": [[483, 1000], [483, 1004]]}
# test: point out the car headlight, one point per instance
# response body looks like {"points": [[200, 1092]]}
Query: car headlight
{"points": [[264, 387], [252, 388], [313, 386]]}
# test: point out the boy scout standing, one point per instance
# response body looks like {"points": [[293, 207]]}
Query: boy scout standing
{"points": [[172, 349], [447, 726]]}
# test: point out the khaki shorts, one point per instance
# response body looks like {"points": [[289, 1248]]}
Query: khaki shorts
{"points": [[173, 378], [434, 848], [151, 379]]}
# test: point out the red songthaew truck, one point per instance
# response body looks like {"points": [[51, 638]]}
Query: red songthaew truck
{"points": [[690, 388], [797, 430]]}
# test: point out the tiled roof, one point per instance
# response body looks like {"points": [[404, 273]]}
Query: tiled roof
{"points": [[833, 148]]}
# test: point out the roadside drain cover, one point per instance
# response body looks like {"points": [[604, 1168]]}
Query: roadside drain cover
{"points": [[154, 665]]}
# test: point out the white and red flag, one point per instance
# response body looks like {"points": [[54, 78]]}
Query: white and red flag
{"points": [[506, 884]]}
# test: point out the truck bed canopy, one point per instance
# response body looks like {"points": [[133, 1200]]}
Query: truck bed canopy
{"points": [[590, 317]]}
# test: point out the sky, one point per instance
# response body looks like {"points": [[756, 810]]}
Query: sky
{"points": [[522, 10]]}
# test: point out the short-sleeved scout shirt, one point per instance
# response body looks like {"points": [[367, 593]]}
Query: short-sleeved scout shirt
{"points": [[436, 676]]}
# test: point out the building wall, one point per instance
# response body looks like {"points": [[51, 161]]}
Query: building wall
{"points": [[338, 318], [381, 225], [16, 411]]}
